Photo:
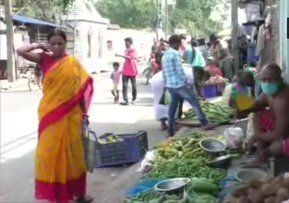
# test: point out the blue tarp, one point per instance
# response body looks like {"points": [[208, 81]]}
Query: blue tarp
{"points": [[32, 21]]}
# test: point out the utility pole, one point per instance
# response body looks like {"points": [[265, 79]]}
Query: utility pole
{"points": [[234, 37], [10, 45], [166, 19]]}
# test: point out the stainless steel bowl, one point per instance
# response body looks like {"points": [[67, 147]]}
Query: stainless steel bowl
{"points": [[248, 175], [220, 162], [172, 186], [212, 145]]}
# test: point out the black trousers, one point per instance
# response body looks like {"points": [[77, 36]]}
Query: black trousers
{"points": [[125, 80]]}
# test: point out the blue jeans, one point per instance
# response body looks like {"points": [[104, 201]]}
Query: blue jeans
{"points": [[186, 94]]}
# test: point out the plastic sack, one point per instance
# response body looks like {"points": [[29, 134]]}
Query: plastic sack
{"points": [[150, 156], [234, 137], [250, 127], [142, 187], [227, 94], [166, 98]]}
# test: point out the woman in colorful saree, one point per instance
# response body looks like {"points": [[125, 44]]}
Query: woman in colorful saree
{"points": [[67, 90]]}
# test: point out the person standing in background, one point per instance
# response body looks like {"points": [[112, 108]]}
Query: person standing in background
{"points": [[130, 71], [196, 60], [159, 54], [115, 76], [203, 47], [220, 52], [184, 45], [176, 82]]}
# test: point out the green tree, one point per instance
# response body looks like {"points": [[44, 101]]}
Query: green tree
{"points": [[129, 13], [194, 15], [48, 10], [189, 14]]}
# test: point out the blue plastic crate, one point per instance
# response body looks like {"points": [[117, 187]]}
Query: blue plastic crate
{"points": [[130, 150], [210, 91]]}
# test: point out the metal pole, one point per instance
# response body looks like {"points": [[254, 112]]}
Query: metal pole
{"points": [[9, 33], [166, 19], [74, 31], [234, 37]]}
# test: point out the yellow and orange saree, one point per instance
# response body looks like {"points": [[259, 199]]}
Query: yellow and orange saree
{"points": [[60, 164]]}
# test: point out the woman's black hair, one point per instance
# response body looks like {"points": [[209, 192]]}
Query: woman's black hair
{"points": [[243, 75], [206, 75], [57, 32], [183, 36], [194, 43], [202, 42], [213, 37]]}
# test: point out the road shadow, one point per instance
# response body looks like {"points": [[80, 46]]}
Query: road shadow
{"points": [[17, 174], [120, 178]]}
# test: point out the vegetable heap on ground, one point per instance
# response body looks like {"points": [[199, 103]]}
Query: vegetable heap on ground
{"points": [[200, 190], [182, 157], [275, 190], [215, 112], [185, 168]]}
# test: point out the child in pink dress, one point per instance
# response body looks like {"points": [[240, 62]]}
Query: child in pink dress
{"points": [[115, 76]]}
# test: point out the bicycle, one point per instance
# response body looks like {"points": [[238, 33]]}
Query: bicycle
{"points": [[34, 80], [146, 75]]}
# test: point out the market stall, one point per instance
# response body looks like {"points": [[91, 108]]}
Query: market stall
{"points": [[181, 157], [201, 157], [207, 167]]}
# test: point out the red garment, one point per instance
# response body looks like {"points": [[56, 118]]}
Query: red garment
{"points": [[267, 122], [183, 48], [213, 68], [47, 62], [268, 125], [130, 67]]}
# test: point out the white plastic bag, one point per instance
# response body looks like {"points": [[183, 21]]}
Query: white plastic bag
{"points": [[150, 156], [234, 137], [250, 127], [227, 94]]}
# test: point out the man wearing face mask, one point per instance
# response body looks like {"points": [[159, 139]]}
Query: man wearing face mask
{"points": [[271, 119]]}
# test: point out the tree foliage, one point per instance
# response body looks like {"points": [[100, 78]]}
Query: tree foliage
{"points": [[194, 15], [48, 10], [189, 14], [129, 13]]}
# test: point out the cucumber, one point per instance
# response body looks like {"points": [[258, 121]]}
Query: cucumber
{"points": [[204, 185], [158, 200]]}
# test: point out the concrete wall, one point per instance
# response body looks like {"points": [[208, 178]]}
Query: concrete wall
{"points": [[89, 43]]}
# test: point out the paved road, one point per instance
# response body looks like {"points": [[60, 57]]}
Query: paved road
{"points": [[19, 139]]}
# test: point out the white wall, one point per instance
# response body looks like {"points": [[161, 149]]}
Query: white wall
{"points": [[101, 58], [91, 62]]}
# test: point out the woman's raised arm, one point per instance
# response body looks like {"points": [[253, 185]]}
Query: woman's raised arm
{"points": [[26, 52]]}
